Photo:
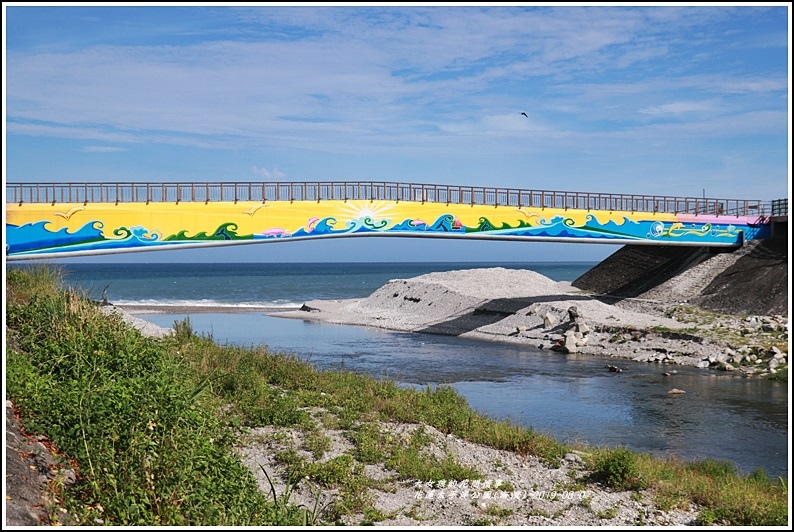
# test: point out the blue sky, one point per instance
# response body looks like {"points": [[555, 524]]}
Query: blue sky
{"points": [[628, 99]]}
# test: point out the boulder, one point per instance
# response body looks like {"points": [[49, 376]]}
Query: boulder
{"points": [[570, 342]]}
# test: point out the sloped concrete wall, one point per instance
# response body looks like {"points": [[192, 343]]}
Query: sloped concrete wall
{"points": [[757, 283], [750, 280], [633, 270]]}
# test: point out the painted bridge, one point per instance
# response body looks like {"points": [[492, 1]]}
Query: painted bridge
{"points": [[75, 219]]}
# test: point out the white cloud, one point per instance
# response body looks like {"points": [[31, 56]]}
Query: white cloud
{"points": [[678, 108], [101, 149], [359, 62], [275, 173]]}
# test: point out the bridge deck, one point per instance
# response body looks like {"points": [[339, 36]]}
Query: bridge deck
{"points": [[385, 191], [55, 220]]}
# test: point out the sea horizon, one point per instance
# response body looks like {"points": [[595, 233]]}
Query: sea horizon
{"points": [[276, 285]]}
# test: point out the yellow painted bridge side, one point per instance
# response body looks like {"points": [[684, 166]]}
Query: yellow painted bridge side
{"points": [[35, 230]]}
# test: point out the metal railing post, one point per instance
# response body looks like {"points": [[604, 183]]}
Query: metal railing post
{"points": [[394, 191]]}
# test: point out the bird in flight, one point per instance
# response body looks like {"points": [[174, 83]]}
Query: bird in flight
{"points": [[524, 114]]}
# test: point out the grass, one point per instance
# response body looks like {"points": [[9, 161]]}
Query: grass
{"points": [[142, 427], [781, 375], [152, 424], [617, 468], [273, 388], [410, 462], [728, 498]]}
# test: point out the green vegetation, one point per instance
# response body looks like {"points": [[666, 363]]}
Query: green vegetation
{"points": [[407, 457], [151, 425], [781, 375], [141, 426], [711, 325], [727, 498], [617, 468], [609, 513]]}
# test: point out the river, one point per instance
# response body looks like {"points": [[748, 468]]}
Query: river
{"points": [[571, 397]]}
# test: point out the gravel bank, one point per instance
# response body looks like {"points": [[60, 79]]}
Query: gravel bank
{"points": [[524, 307], [514, 491], [147, 328]]}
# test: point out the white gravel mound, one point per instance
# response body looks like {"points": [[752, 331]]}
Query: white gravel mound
{"points": [[147, 328], [420, 302], [492, 283], [518, 306]]}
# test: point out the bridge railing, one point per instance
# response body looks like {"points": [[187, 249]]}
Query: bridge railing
{"points": [[387, 191], [780, 207]]}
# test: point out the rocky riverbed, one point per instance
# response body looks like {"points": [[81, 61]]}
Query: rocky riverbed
{"points": [[514, 489], [524, 307]]}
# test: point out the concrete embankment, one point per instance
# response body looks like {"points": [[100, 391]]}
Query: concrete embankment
{"points": [[750, 280]]}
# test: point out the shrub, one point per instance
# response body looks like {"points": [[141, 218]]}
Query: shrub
{"points": [[618, 468]]}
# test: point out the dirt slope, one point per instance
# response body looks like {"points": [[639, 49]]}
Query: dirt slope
{"points": [[750, 280], [757, 283]]}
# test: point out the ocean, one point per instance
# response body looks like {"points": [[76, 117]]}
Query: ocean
{"points": [[272, 285]]}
